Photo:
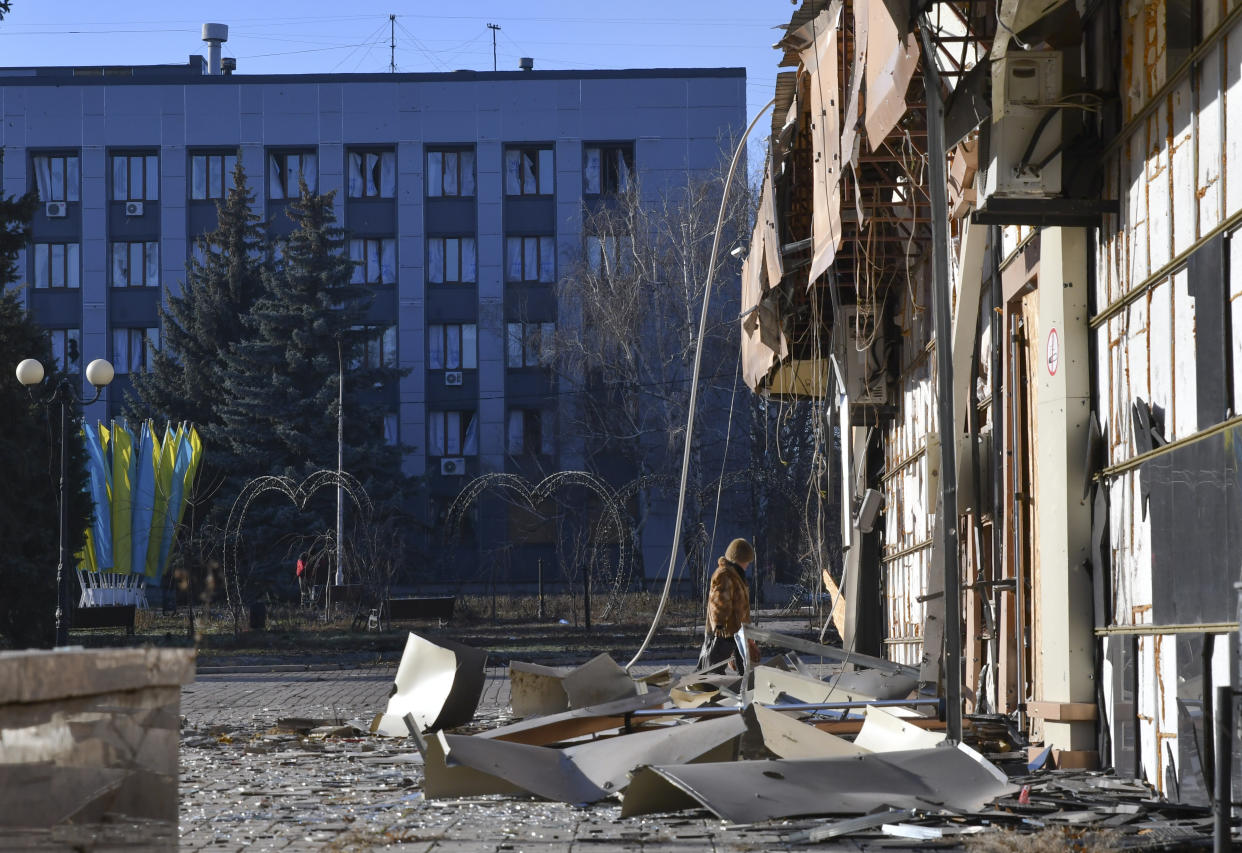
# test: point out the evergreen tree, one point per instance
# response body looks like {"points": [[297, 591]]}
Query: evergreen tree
{"points": [[185, 380], [279, 406], [30, 458]]}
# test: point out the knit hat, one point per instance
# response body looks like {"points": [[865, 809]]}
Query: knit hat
{"points": [[740, 551]]}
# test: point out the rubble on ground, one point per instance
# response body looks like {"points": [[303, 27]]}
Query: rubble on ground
{"points": [[857, 748]]}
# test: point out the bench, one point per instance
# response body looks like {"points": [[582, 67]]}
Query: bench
{"points": [[421, 607], [104, 616]]}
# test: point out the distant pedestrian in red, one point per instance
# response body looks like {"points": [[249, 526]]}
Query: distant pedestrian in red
{"points": [[302, 576]]}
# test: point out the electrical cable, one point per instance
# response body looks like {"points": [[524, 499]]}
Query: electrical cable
{"points": [[694, 386]]}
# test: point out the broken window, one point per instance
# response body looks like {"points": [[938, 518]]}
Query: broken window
{"points": [[609, 254], [131, 348], [372, 174], [450, 260], [211, 174], [285, 170], [450, 172], [530, 259], [136, 264], [530, 344], [57, 265], [452, 346], [530, 432], [606, 169], [452, 433], [530, 171], [375, 261], [57, 177], [67, 349], [135, 177], [378, 347]]}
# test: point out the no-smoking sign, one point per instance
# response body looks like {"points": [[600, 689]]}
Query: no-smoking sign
{"points": [[1054, 351]]}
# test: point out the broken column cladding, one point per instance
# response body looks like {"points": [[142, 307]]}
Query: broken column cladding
{"points": [[1095, 346], [463, 194]]}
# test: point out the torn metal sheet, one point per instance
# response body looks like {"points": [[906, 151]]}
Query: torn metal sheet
{"points": [[464, 765], [785, 737], [883, 731], [750, 791], [891, 61], [820, 62], [438, 683], [567, 725], [600, 680], [537, 689], [772, 683], [852, 119]]}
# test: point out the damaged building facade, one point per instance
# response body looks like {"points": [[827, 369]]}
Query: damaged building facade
{"points": [[1058, 177]]}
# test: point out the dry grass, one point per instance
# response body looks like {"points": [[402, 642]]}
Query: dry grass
{"points": [[1053, 839]]}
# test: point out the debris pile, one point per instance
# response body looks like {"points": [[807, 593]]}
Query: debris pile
{"points": [[780, 742]]}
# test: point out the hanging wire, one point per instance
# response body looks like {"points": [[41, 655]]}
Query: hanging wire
{"points": [[694, 387]]}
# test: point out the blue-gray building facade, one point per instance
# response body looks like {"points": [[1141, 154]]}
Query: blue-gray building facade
{"points": [[463, 195]]}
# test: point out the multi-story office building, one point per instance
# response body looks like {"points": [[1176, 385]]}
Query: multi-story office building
{"points": [[461, 192]]}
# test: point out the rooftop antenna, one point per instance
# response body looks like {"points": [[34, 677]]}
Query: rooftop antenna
{"points": [[494, 28], [392, 44]]}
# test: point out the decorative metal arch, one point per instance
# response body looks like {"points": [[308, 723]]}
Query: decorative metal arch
{"points": [[299, 494], [545, 489]]}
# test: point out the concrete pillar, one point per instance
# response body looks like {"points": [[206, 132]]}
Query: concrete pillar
{"points": [[1062, 637]]}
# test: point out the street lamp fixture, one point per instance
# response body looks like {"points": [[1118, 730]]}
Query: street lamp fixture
{"points": [[30, 373]]}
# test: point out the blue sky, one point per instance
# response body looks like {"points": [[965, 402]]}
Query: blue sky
{"points": [[283, 36]]}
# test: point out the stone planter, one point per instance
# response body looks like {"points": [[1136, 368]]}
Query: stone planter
{"points": [[85, 733]]}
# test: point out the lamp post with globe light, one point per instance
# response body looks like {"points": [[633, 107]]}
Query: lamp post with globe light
{"points": [[30, 373]]}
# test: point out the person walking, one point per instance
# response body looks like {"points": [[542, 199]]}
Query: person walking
{"points": [[728, 607]]}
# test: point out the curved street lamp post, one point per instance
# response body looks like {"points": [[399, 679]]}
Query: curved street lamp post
{"points": [[30, 373]]}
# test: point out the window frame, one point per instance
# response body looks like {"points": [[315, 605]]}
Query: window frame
{"points": [[387, 177], [544, 245], [209, 185], [466, 419], [129, 256], [378, 344], [531, 342], [60, 340], [280, 156], [69, 190], [362, 264], [543, 419], [610, 183], [70, 265], [150, 190], [434, 187], [443, 271], [467, 356], [146, 338], [516, 157]]}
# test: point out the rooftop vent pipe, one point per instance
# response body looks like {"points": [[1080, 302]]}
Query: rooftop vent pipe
{"points": [[215, 35], [526, 63], [229, 64]]}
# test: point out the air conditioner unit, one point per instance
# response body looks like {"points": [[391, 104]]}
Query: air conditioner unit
{"points": [[1028, 127], [453, 466], [452, 377], [56, 209], [861, 353], [133, 208]]}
